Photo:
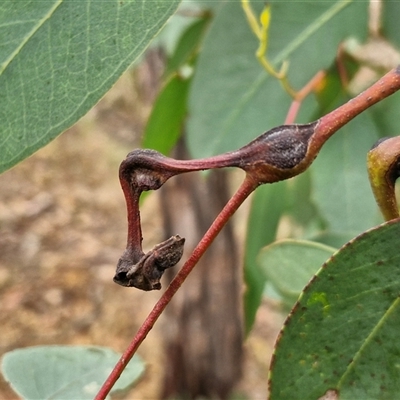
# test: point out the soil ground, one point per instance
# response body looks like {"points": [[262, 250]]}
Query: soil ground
{"points": [[62, 229]]}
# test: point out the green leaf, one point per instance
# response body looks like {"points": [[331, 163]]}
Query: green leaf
{"points": [[341, 187], [232, 99], [187, 46], [290, 264], [299, 201], [59, 58], [374, 370], [332, 238], [390, 21], [267, 207], [165, 123], [65, 372], [382, 115], [343, 333], [330, 91], [164, 126]]}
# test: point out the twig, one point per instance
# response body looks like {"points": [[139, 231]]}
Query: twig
{"points": [[330, 123], [278, 154], [234, 203], [299, 96]]}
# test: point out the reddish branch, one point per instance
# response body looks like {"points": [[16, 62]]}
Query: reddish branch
{"points": [[278, 154]]}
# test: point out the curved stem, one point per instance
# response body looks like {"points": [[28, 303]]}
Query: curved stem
{"points": [[247, 187]]}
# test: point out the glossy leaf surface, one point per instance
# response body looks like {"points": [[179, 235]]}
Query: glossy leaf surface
{"points": [[341, 333]]}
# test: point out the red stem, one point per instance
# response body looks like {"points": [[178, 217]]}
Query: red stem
{"points": [[326, 127], [292, 113], [330, 123], [301, 95], [248, 186], [134, 241]]}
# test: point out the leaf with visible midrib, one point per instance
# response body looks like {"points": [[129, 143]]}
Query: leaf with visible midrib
{"points": [[59, 57], [343, 332]]}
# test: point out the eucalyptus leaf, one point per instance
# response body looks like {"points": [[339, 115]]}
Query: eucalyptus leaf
{"points": [[341, 187], [382, 115], [267, 207], [232, 99], [65, 372], [342, 335], [300, 203], [333, 238], [331, 91], [58, 58], [390, 22], [289, 264], [164, 126], [188, 45]]}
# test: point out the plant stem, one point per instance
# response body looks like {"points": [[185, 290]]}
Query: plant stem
{"points": [[248, 186], [266, 171], [301, 95], [330, 123]]}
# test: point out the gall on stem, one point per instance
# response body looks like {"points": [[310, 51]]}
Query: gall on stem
{"points": [[281, 153]]}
